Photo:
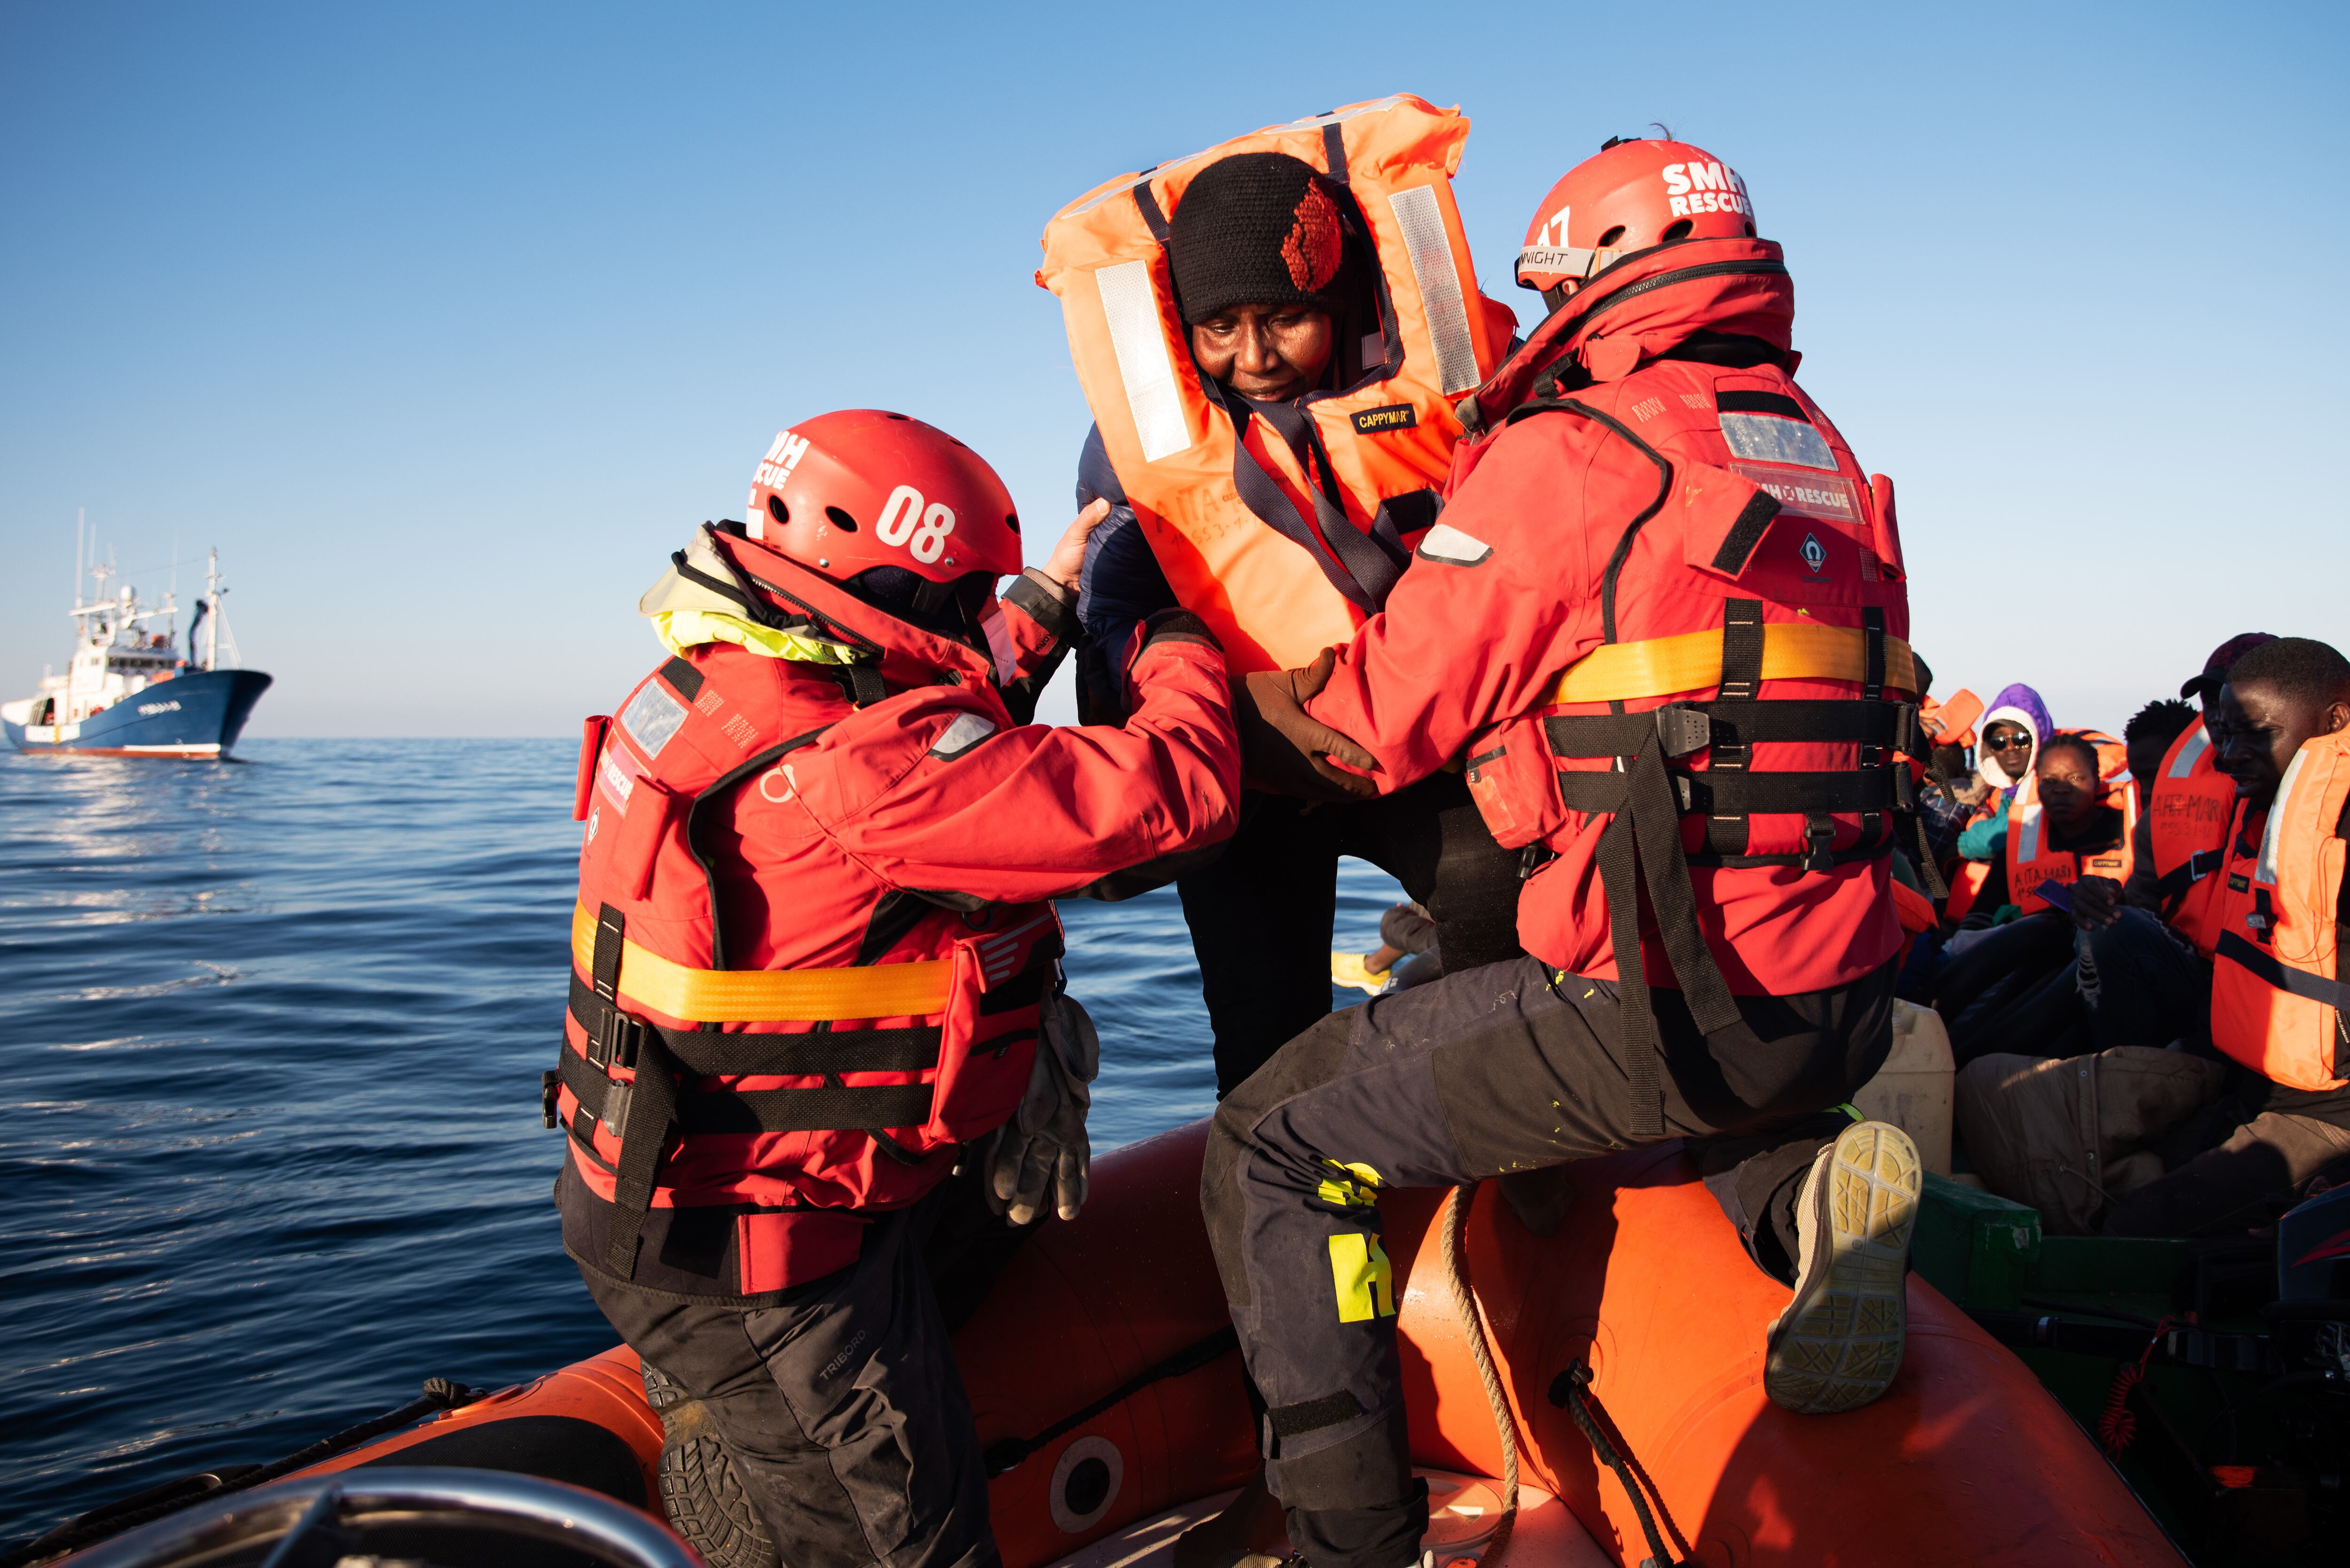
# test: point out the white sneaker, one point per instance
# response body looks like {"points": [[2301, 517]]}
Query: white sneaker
{"points": [[1838, 1344]]}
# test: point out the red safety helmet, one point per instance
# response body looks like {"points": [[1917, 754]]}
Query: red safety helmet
{"points": [[1629, 196], [861, 488]]}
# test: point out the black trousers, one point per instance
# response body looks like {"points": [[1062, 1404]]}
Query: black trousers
{"points": [[1503, 1068], [1260, 914], [841, 1407]]}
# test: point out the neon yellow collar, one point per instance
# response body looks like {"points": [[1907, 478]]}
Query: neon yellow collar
{"points": [[679, 629]]}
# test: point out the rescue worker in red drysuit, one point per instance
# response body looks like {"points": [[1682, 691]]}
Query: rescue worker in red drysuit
{"points": [[2250, 1155], [816, 962], [1656, 511]]}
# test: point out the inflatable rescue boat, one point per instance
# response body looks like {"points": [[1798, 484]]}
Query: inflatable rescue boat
{"points": [[1626, 1354]]}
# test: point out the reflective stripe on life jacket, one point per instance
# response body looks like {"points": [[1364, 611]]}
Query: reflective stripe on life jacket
{"points": [[1284, 556], [788, 1099], [2277, 996], [2187, 818]]}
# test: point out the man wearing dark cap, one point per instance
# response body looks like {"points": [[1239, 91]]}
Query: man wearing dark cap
{"points": [[2181, 833], [1276, 282]]}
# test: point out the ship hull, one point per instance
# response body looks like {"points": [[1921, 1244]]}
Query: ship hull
{"points": [[196, 715]]}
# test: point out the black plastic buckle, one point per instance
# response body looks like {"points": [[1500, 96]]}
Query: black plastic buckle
{"points": [[550, 1084], [613, 1041], [1819, 832], [1683, 731]]}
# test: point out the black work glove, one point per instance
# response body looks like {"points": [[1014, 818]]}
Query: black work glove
{"points": [[1285, 750]]}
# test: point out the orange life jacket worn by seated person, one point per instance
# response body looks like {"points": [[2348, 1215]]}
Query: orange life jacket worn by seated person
{"points": [[1279, 561], [2189, 817], [2032, 861], [2277, 996], [778, 1101]]}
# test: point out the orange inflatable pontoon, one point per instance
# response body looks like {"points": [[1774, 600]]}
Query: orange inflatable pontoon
{"points": [[1968, 1459]]}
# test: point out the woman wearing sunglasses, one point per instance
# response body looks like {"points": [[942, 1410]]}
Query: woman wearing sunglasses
{"points": [[2013, 733]]}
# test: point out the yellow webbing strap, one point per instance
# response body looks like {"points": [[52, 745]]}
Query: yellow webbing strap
{"points": [[762, 995], [1662, 666]]}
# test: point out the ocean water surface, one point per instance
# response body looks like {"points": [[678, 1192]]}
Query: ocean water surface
{"points": [[272, 1033]]}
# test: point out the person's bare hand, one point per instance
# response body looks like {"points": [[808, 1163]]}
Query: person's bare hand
{"points": [[1287, 751], [1971, 792], [2096, 902], [1069, 557]]}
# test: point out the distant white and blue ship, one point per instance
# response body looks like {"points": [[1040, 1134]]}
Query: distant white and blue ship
{"points": [[129, 691]]}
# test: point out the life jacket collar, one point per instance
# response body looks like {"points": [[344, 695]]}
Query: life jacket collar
{"points": [[788, 596], [1642, 306]]}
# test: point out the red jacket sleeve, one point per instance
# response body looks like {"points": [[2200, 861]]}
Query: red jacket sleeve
{"points": [[1037, 811], [1501, 596]]}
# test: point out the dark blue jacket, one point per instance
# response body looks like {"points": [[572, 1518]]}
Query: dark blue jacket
{"points": [[1120, 586]]}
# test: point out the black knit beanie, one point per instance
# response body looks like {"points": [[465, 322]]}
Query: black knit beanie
{"points": [[1258, 228]]}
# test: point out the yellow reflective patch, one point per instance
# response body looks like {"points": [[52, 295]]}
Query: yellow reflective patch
{"points": [[1354, 1186], [1359, 1271], [684, 628]]}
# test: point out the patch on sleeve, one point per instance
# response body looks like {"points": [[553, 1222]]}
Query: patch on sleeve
{"points": [[967, 731], [651, 717], [1449, 545], [1774, 438]]}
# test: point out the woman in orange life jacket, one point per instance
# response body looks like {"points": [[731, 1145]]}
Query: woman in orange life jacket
{"points": [[2013, 733], [816, 962], [2252, 1154], [1277, 309], [1603, 592]]}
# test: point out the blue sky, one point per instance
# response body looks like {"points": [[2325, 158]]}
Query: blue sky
{"points": [[446, 323]]}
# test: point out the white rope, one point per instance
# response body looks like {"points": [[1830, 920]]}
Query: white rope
{"points": [[1464, 1303]]}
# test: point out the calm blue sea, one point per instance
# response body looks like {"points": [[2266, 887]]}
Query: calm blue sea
{"points": [[271, 1152]]}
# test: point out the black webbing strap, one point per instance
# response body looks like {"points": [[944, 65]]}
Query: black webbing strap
{"points": [[833, 1107], [1362, 566], [1872, 690], [1807, 795], [1741, 677], [613, 1034], [2175, 882], [1642, 846], [2266, 967], [604, 969], [1334, 151]]}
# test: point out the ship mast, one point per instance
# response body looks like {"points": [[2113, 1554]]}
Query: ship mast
{"points": [[212, 611]]}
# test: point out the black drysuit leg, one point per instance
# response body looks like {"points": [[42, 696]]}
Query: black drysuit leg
{"points": [[1480, 1072], [841, 1409], [1261, 913]]}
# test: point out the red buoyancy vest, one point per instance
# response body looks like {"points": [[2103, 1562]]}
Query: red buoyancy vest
{"points": [[2277, 994], [2032, 860], [1751, 681], [819, 1041], [2187, 818]]}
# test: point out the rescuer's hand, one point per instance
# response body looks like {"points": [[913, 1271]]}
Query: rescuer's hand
{"points": [[2097, 901], [1067, 560], [1042, 1151], [1287, 751]]}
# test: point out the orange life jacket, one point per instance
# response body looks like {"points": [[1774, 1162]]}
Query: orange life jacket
{"points": [[2032, 861], [1951, 722], [2276, 992], [1284, 562], [2187, 818]]}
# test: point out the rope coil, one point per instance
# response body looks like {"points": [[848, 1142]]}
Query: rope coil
{"points": [[1464, 1303]]}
